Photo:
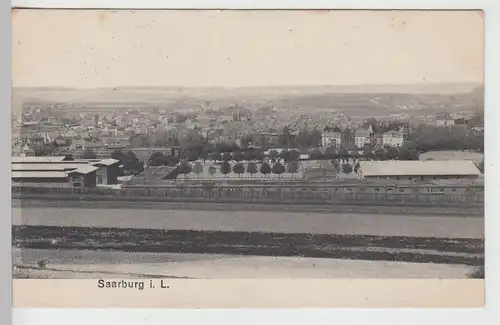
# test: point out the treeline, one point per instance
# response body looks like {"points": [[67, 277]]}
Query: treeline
{"points": [[239, 168], [427, 138], [229, 154]]}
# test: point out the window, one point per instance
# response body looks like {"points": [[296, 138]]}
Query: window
{"points": [[401, 190], [99, 179], [441, 190], [397, 177], [453, 189], [433, 177], [377, 190]]}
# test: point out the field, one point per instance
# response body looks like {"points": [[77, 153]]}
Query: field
{"points": [[67, 264], [477, 157]]}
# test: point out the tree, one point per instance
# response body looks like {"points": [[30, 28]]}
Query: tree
{"points": [[212, 170], [265, 168], [225, 168], [132, 163], [191, 155], [335, 164], [204, 155], [316, 154], [273, 155], [407, 153], [278, 169], [171, 160], [368, 153], [238, 155], [156, 159], [346, 168], [184, 168], [343, 153], [198, 168], [293, 167], [294, 155], [380, 154], [356, 168], [216, 155], [119, 155], [331, 152], [88, 154], [226, 156], [285, 155], [258, 155], [238, 169], [252, 168], [392, 153]]}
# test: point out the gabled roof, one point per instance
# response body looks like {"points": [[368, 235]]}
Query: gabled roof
{"points": [[46, 167], [84, 170], [38, 174], [419, 168], [106, 162], [38, 159]]}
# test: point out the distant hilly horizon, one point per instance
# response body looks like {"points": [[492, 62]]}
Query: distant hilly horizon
{"points": [[287, 97]]}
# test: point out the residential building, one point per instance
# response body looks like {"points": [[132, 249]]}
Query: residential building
{"points": [[444, 120], [393, 139], [361, 138], [84, 176], [331, 139], [395, 170], [108, 172]]}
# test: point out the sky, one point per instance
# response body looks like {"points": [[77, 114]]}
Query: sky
{"points": [[91, 49]]}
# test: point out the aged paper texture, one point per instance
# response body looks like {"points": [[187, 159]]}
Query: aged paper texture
{"points": [[247, 159]]}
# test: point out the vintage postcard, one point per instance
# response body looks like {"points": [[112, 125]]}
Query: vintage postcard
{"points": [[247, 158]]}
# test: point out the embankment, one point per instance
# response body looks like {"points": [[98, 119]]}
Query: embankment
{"points": [[361, 247]]}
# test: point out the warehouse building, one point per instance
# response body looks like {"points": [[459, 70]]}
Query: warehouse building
{"points": [[58, 172], [418, 170]]}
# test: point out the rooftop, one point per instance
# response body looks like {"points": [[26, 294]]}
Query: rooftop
{"points": [[84, 170], [419, 168], [38, 174], [46, 167], [107, 162], [37, 159]]}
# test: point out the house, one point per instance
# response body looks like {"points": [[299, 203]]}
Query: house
{"points": [[418, 170], [84, 176], [461, 122], [331, 139], [361, 138], [108, 172], [444, 120], [393, 139]]}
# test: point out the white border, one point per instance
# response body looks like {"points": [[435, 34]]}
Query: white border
{"points": [[435, 316], [253, 4]]}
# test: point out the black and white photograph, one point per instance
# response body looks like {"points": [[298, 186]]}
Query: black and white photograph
{"points": [[220, 144]]}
